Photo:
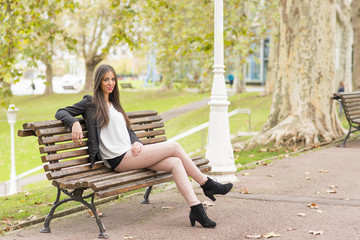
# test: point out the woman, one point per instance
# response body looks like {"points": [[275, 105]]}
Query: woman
{"points": [[111, 139]]}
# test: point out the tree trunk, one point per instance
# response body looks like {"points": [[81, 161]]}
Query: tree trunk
{"points": [[345, 39], [49, 75], [90, 65], [302, 112], [356, 53], [239, 85], [273, 63]]}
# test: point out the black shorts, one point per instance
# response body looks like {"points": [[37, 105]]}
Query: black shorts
{"points": [[114, 162]]}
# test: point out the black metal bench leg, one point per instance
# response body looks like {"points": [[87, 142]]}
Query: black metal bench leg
{"points": [[146, 196], [76, 195], [46, 227], [347, 136]]}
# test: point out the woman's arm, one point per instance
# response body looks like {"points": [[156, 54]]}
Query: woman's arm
{"points": [[67, 115]]}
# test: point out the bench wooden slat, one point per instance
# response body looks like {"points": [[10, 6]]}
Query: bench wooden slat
{"points": [[43, 132], [57, 139], [150, 133], [86, 181], [347, 94], [143, 120], [80, 175], [50, 124], [148, 126], [75, 170], [352, 109], [61, 147], [26, 133], [64, 155], [144, 113], [65, 164], [353, 100], [140, 184], [153, 140]]}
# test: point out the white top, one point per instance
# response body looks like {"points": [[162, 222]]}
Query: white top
{"points": [[114, 138]]}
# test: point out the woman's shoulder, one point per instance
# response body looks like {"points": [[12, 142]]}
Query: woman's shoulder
{"points": [[88, 97]]}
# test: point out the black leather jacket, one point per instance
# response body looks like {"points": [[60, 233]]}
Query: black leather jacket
{"points": [[87, 110]]}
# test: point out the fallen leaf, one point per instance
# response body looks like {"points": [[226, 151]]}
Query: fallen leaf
{"points": [[313, 205], [316, 232], [329, 191], [319, 211], [270, 175], [251, 155], [308, 178], [127, 237], [208, 203], [244, 190], [263, 150], [323, 171], [31, 217], [254, 236], [37, 203], [27, 194], [246, 174], [301, 214], [92, 214], [307, 173], [291, 229], [272, 235], [333, 186], [20, 211], [167, 207]]}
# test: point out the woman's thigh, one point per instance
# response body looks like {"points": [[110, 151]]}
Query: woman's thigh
{"points": [[150, 155]]}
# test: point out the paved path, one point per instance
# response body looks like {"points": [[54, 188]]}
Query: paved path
{"points": [[278, 202]]}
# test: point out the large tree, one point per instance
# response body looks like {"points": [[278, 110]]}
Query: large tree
{"points": [[98, 26], [356, 54], [302, 112], [25, 24]]}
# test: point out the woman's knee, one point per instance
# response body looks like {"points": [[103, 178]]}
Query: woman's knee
{"points": [[175, 147]]}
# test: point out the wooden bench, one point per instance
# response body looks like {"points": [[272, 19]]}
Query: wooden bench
{"points": [[67, 164], [126, 85], [351, 106]]}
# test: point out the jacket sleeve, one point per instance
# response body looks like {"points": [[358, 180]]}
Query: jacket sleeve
{"points": [[133, 137], [67, 114]]}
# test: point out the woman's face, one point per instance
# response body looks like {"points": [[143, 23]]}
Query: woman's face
{"points": [[108, 83]]}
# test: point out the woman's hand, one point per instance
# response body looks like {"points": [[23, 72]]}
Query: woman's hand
{"points": [[136, 148], [77, 134]]}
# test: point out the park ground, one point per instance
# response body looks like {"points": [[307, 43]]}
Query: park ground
{"points": [[313, 195]]}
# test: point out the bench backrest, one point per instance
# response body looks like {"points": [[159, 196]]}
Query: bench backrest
{"points": [[351, 104], [60, 152]]}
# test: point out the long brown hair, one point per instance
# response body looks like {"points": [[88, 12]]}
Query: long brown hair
{"points": [[102, 112]]}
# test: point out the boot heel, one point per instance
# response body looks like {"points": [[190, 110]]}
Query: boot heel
{"points": [[211, 197], [198, 214], [192, 221]]}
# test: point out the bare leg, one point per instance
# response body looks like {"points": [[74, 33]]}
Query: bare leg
{"points": [[174, 165], [154, 153]]}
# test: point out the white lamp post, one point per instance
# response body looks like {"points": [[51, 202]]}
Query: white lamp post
{"points": [[11, 115], [219, 149]]}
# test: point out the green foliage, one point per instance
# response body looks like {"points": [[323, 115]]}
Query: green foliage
{"points": [[180, 33], [27, 28]]}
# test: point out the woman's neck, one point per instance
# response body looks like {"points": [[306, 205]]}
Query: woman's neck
{"points": [[107, 101]]}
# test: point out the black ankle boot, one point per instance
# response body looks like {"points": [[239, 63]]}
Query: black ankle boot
{"points": [[212, 187], [198, 214]]}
